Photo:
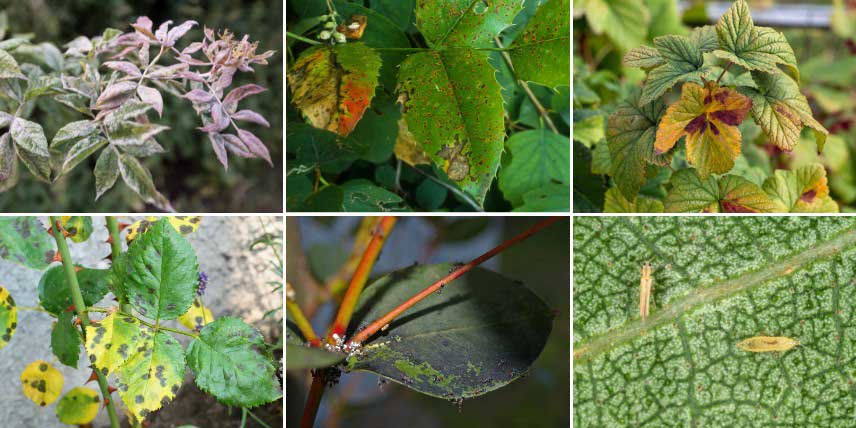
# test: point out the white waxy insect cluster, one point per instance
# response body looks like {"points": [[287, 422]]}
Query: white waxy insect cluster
{"points": [[352, 349], [330, 33]]}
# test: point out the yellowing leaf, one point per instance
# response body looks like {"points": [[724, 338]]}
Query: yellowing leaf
{"points": [[197, 316], [803, 190], [151, 377], [42, 383], [728, 194], [78, 407], [78, 227], [8, 317], [406, 147], [708, 116], [121, 333], [182, 224], [615, 202], [334, 85]]}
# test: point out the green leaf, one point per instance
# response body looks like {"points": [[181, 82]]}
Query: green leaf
{"points": [[751, 47], [106, 171], [362, 196], [301, 357], [682, 62], [38, 165], [81, 150], [452, 104], [458, 23], [78, 406], [9, 67], [8, 317], [309, 148], [127, 133], [665, 18], [716, 282], [616, 203], [163, 273], [73, 131], [23, 240], [113, 341], [227, 364], [589, 189], [803, 190], [150, 378], [630, 134], [589, 130], [400, 12], [542, 53], [729, 194], [538, 157], [481, 333], [624, 21], [782, 111], [65, 340], [54, 294], [139, 179], [8, 164], [430, 195], [553, 197]]}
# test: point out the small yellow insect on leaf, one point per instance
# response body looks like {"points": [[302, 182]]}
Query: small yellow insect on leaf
{"points": [[768, 344], [41, 382], [183, 224], [646, 284], [78, 407], [197, 316]]}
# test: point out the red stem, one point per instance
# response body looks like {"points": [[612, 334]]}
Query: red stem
{"points": [[310, 410], [361, 275], [389, 317]]}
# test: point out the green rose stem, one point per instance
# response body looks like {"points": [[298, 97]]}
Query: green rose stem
{"points": [[115, 251], [80, 308], [373, 328]]}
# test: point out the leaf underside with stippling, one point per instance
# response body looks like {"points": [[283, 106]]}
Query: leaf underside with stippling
{"points": [[480, 333], [716, 282], [227, 364]]}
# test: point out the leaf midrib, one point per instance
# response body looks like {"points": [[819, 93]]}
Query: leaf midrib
{"points": [[589, 349]]}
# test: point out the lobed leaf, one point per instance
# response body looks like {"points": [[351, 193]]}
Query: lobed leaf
{"points": [[459, 87], [803, 190], [542, 52], [481, 333], [227, 364], [624, 21], [615, 202], [728, 194], [8, 317], [538, 157], [23, 241]]}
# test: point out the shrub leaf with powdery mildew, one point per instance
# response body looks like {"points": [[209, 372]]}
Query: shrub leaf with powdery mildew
{"points": [[480, 333], [717, 282], [23, 240], [542, 52], [452, 105], [163, 273], [227, 364]]}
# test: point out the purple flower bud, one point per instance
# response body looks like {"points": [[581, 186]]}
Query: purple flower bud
{"points": [[203, 282]]}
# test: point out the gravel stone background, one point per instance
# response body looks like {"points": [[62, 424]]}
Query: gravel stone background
{"points": [[237, 286]]}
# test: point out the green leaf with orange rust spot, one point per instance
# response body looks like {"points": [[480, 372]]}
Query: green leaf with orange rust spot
{"points": [[782, 111], [803, 190], [459, 23], [630, 139], [728, 194], [542, 52], [334, 85], [708, 117], [453, 108]]}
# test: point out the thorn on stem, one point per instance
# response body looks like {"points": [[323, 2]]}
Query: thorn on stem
{"points": [[122, 226], [92, 376]]}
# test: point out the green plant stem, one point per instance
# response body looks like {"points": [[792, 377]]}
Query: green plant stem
{"points": [[256, 418], [80, 308], [301, 38], [723, 72], [116, 251], [313, 400], [361, 275], [302, 323], [525, 86], [32, 308], [375, 326], [144, 322]]}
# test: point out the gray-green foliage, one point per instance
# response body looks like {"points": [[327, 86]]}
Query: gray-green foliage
{"points": [[716, 282]]}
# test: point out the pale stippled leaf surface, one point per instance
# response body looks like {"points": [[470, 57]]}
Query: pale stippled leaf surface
{"points": [[717, 281]]}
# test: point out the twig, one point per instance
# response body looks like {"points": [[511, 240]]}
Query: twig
{"points": [[526, 89], [256, 418], [723, 72], [301, 38], [337, 283], [375, 326], [361, 275], [302, 323], [80, 308], [313, 400]]}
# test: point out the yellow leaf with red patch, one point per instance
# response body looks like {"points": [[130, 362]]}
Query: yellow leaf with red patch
{"points": [[708, 117], [334, 85]]}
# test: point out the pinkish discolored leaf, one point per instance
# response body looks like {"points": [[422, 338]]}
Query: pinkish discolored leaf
{"points": [[144, 27], [162, 31], [125, 67], [251, 116], [219, 146], [179, 31], [192, 48], [255, 145], [221, 119], [198, 96], [115, 95], [151, 96], [190, 75], [236, 146], [167, 72], [242, 92]]}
